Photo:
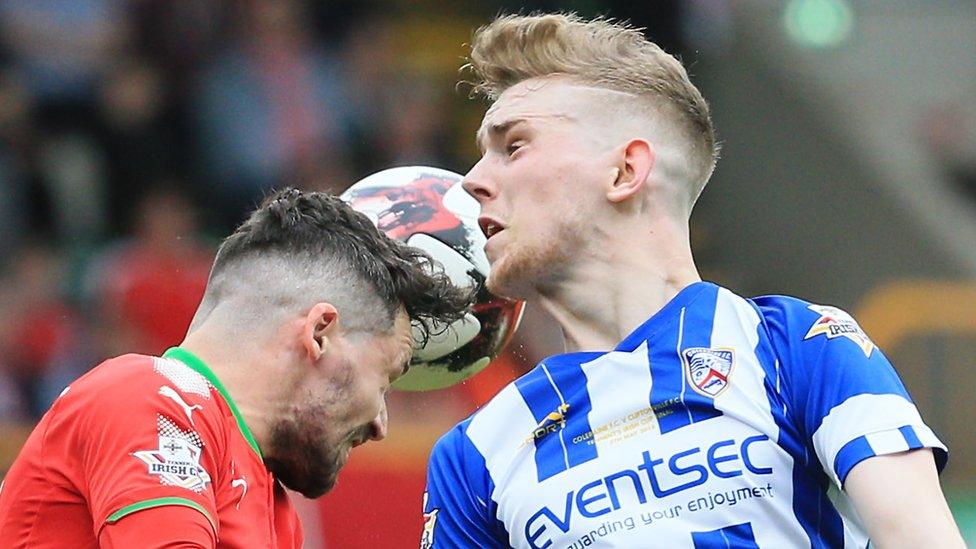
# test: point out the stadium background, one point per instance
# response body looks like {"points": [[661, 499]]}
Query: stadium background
{"points": [[135, 133]]}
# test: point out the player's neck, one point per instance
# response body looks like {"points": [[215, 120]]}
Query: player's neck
{"points": [[610, 295], [239, 372]]}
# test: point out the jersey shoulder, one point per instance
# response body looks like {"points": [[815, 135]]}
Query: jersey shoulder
{"points": [[796, 325], [514, 418], [123, 385]]}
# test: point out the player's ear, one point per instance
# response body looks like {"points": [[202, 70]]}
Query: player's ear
{"points": [[634, 165], [320, 324]]}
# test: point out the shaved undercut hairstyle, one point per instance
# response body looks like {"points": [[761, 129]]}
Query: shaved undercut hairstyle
{"points": [[299, 248], [599, 53]]}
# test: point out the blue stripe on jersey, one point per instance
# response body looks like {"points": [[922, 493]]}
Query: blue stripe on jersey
{"points": [[860, 449], [852, 453], [458, 480], [546, 389], [811, 506], [474, 461], [910, 437], [739, 536], [668, 371]]}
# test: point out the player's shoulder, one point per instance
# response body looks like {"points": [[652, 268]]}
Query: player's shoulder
{"points": [[810, 327], [500, 426], [134, 385], [788, 314], [128, 376], [781, 308]]}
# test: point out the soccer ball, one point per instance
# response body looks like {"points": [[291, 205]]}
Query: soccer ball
{"points": [[427, 208]]}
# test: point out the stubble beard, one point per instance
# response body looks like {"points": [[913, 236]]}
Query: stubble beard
{"points": [[529, 270], [304, 459], [307, 448]]}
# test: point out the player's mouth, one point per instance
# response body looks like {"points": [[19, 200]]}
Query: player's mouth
{"points": [[490, 226]]}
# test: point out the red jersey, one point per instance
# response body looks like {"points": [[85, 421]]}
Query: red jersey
{"points": [[139, 451]]}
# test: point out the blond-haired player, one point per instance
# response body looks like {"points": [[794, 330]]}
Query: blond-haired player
{"points": [[682, 415]]}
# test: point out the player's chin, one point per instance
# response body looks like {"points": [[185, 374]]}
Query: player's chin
{"points": [[314, 486], [508, 278], [314, 476]]}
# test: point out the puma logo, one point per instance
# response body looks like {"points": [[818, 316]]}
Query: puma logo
{"points": [[240, 483], [171, 394]]}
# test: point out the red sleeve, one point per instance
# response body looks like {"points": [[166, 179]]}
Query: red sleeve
{"points": [[143, 440], [185, 528]]}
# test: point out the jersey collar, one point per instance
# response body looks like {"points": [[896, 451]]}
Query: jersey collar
{"points": [[199, 366], [666, 315]]}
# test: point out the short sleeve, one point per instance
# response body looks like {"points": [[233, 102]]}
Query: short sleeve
{"points": [[184, 526], [458, 510], [844, 393], [141, 443]]}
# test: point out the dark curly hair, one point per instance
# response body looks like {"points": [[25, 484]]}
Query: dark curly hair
{"points": [[327, 244]]}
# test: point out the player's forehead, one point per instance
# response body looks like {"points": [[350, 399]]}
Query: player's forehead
{"points": [[543, 101], [536, 100]]}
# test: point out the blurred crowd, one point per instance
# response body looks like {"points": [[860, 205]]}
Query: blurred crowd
{"points": [[136, 133]]}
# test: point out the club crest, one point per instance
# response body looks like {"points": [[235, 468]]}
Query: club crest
{"points": [[708, 369]]}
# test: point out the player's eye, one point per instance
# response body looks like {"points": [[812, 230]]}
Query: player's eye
{"points": [[514, 146]]}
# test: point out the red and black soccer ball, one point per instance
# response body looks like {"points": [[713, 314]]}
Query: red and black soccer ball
{"points": [[427, 208]]}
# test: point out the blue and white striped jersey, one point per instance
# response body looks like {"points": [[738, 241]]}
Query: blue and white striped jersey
{"points": [[720, 422]]}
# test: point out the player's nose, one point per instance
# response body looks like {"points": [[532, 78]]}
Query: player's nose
{"points": [[476, 183], [378, 428]]}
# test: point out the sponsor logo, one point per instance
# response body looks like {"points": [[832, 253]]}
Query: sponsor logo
{"points": [[658, 477], [553, 421], [171, 394], [430, 520], [177, 463], [708, 370], [834, 323]]}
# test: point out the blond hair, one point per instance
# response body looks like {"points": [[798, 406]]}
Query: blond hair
{"points": [[597, 52]]}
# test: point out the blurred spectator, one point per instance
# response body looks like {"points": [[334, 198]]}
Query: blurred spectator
{"points": [[39, 325], [400, 69], [139, 141], [15, 136], [416, 124], [62, 49], [146, 289], [177, 36], [271, 109], [13, 407]]}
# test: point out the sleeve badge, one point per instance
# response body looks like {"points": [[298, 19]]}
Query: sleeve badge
{"points": [[834, 323]]}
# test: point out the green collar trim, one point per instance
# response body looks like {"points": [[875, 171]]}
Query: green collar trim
{"points": [[199, 366]]}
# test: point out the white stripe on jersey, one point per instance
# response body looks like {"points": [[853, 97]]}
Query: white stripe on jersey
{"points": [[736, 327], [630, 376], [861, 415], [887, 442], [499, 431], [500, 447]]}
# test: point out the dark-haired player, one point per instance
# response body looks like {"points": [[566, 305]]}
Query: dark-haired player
{"points": [[305, 323]]}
